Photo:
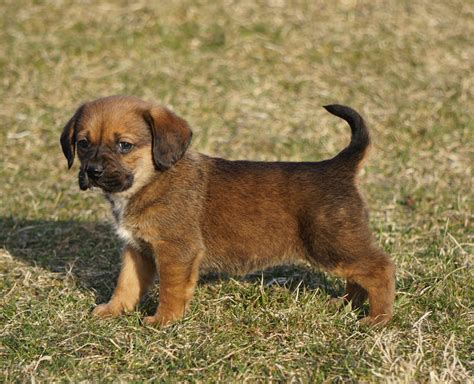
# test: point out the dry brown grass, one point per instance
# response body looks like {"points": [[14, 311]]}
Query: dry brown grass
{"points": [[250, 77]]}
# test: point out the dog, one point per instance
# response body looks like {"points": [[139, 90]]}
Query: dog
{"points": [[180, 212]]}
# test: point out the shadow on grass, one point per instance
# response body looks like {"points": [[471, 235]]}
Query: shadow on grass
{"points": [[90, 252]]}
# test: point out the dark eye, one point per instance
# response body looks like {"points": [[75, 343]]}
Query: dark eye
{"points": [[83, 143], [124, 147]]}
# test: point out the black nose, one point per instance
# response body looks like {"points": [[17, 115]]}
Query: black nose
{"points": [[94, 171]]}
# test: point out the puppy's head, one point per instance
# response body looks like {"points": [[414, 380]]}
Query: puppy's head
{"points": [[121, 140]]}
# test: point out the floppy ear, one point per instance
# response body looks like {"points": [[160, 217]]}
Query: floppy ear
{"points": [[171, 136], [68, 137]]}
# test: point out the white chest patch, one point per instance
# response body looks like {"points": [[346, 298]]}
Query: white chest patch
{"points": [[125, 234], [119, 205]]}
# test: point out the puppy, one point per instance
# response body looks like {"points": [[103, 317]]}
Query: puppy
{"points": [[181, 212]]}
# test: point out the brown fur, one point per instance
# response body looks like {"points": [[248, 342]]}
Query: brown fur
{"points": [[181, 212]]}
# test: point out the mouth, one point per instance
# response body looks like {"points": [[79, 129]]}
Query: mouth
{"points": [[84, 182], [109, 185]]}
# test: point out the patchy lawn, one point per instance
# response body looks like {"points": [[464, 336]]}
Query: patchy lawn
{"points": [[250, 77]]}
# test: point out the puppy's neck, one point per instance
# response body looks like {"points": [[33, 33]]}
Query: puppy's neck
{"points": [[145, 178], [120, 200], [118, 204], [141, 179]]}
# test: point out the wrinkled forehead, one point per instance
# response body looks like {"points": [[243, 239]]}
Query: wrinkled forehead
{"points": [[113, 118]]}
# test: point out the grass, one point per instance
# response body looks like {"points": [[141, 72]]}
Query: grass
{"points": [[250, 77]]}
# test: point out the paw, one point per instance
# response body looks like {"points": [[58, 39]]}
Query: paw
{"points": [[375, 321], [106, 310], [151, 320], [158, 321], [163, 318]]}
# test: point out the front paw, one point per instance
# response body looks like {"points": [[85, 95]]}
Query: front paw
{"points": [[375, 321], [158, 320], [163, 317], [106, 310]]}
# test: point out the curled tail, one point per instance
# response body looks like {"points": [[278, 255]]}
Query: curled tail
{"points": [[354, 153]]}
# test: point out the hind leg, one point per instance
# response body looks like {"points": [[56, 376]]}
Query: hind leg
{"points": [[353, 256], [371, 275], [377, 277], [354, 295]]}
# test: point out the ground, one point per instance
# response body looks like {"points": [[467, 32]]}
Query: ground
{"points": [[250, 77]]}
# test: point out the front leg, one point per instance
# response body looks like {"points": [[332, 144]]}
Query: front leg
{"points": [[136, 275], [179, 272]]}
